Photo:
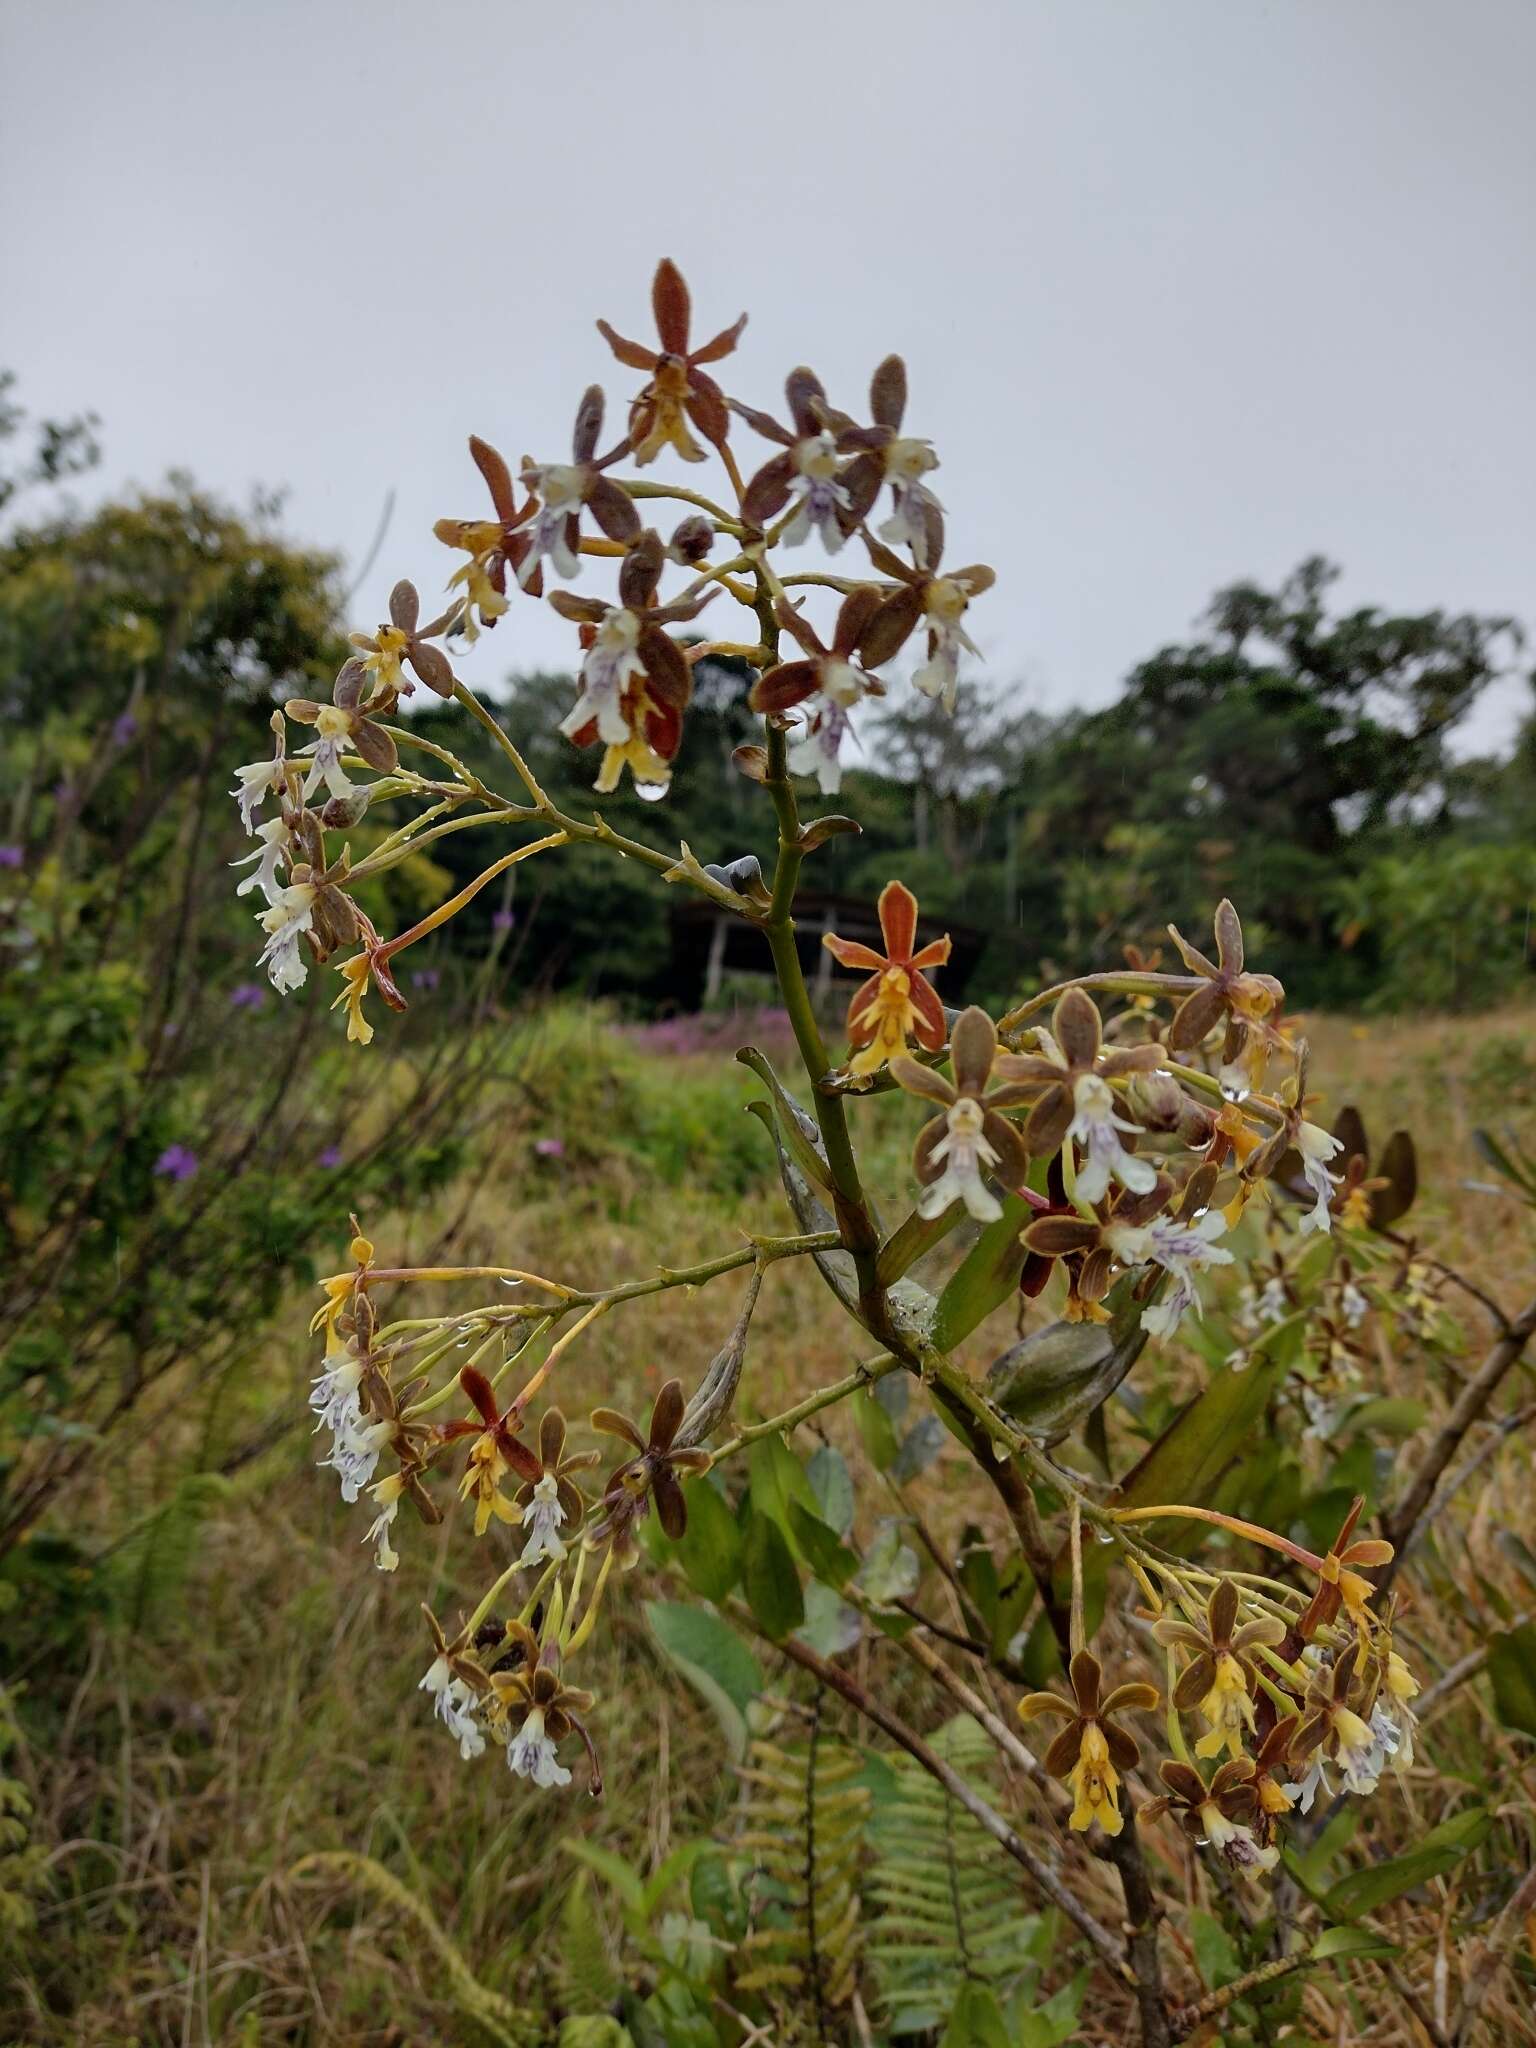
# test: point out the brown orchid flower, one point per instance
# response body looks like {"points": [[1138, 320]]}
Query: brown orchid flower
{"points": [[1221, 1677], [678, 391], [807, 468], [1335, 1728], [403, 639], [563, 490], [1341, 1576], [1313, 1146], [925, 597], [1086, 1248], [1228, 990], [554, 1464], [635, 680], [969, 1138], [496, 1449], [535, 1710], [897, 1003], [653, 1472], [887, 456], [345, 725], [313, 905], [493, 545], [831, 671], [1074, 1070], [1092, 1752], [1226, 1814]]}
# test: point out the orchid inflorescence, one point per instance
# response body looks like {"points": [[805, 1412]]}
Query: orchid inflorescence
{"points": [[1109, 1132]]}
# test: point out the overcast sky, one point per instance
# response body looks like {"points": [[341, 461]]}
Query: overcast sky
{"points": [[1187, 288]]}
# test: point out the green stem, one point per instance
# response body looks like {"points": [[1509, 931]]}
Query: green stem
{"points": [[824, 1397]]}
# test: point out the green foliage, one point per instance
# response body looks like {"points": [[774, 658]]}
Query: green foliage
{"points": [[497, 2017], [1512, 1668], [1451, 923], [164, 1180], [709, 1654], [22, 1862], [947, 1912], [803, 1826], [145, 1573], [1362, 1891]]}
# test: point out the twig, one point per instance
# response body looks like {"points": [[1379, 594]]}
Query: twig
{"points": [[1402, 1520], [1185, 2018], [1491, 1954], [1457, 1674]]}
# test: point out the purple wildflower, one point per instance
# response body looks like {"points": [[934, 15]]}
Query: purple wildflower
{"points": [[549, 1148], [247, 995], [10, 856], [177, 1163], [330, 1157], [425, 977], [123, 728], [503, 921]]}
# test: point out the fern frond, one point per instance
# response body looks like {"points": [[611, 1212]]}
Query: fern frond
{"points": [[153, 1561], [588, 1975], [946, 1908], [803, 1825], [497, 2015], [21, 1860]]}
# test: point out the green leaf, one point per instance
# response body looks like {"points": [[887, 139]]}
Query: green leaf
{"points": [[713, 1658], [830, 1482], [1335, 1943], [875, 1427], [1362, 1891], [917, 1235], [1049, 2025], [795, 1126], [921, 1447], [611, 1867], [1215, 1951], [775, 1478], [674, 1867], [770, 1580], [978, 1574], [975, 2020], [709, 1549], [831, 1626], [1512, 1667], [1523, 1177], [1387, 1415], [890, 1570], [1206, 1435], [828, 1558], [984, 1278]]}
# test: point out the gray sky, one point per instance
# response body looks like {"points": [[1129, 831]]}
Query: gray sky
{"points": [[1187, 288]]}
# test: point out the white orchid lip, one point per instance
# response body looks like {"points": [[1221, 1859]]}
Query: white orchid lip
{"points": [[612, 663], [965, 1153], [531, 1753], [542, 1518]]}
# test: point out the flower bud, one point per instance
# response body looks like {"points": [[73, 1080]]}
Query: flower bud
{"points": [[1156, 1101], [343, 811], [691, 541]]}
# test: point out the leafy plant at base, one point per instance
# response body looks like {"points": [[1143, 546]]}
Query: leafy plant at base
{"points": [[802, 1823], [945, 1908]]}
